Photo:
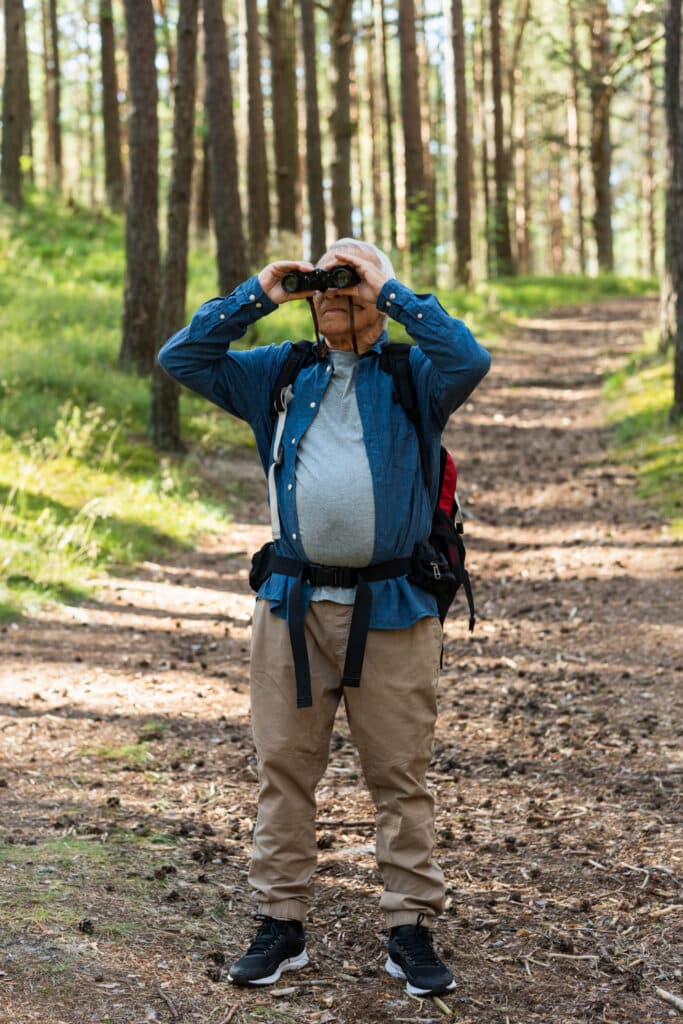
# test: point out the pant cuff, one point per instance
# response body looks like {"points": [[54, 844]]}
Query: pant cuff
{"points": [[398, 917], [284, 910]]}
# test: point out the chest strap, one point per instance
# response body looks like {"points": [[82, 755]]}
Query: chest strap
{"points": [[332, 576]]}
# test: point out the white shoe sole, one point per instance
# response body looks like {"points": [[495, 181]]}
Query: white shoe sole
{"points": [[292, 964], [392, 968]]}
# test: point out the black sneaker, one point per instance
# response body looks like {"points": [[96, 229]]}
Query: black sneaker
{"points": [[278, 946], [412, 958]]}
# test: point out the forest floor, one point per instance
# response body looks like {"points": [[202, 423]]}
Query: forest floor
{"points": [[128, 782]]}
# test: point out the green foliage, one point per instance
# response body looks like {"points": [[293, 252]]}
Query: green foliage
{"points": [[641, 398]]}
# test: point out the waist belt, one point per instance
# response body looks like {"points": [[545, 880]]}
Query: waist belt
{"points": [[332, 576]]}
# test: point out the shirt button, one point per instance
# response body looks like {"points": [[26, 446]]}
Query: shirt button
{"points": [[293, 440], [252, 297], [259, 305], [312, 405], [387, 303], [293, 536], [419, 316], [392, 295], [290, 486], [329, 369], [222, 316]]}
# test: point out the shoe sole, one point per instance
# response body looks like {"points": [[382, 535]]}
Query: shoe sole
{"points": [[392, 968], [292, 964]]}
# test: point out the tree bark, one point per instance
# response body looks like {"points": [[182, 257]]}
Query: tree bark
{"points": [[53, 152], [314, 167], [387, 118], [574, 138], [649, 176], [674, 195], [602, 90], [556, 232], [463, 153], [282, 37], [479, 69], [225, 196], [501, 218], [341, 43], [16, 104], [164, 412], [141, 293], [420, 223], [257, 164], [113, 165], [375, 131]]}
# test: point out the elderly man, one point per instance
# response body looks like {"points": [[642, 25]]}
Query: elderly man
{"points": [[336, 615]]}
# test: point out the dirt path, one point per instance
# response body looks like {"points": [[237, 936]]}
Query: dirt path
{"points": [[128, 782]]}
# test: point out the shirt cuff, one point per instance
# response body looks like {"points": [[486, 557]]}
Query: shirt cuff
{"points": [[411, 310], [251, 294]]}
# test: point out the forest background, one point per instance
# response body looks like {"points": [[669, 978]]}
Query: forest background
{"points": [[512, 156]]}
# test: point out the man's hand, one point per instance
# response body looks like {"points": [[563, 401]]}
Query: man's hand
{"points": [[372, 277], [271, 276]]}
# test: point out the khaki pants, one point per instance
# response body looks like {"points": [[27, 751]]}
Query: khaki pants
{"points": [[391, 717]]}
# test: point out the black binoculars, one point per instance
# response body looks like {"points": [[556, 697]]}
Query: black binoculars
{"points": [[319, 280]]}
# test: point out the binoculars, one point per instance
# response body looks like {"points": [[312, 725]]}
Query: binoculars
{"points": [[319, 280]]}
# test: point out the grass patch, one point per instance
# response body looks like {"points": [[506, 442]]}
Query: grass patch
{"points": [[640, 399], [133, 753]]}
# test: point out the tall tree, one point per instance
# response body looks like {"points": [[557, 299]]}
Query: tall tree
{"points": [[314, 167], [164, 419], [53, 150], [602, 91], [501, 217], [16, 103], [113, 164], [225, 195], [673, 101], [282, 36], [482, 131], [386, 117], [420, 221], [649, 175], [341, 43], [463, 152], [257, 165], [574, 136], [141, 292]]}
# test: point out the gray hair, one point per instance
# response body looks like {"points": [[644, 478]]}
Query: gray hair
{"points": [[381, 257]]}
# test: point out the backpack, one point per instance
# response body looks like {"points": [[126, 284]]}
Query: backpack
{"points": [[438, 564]]}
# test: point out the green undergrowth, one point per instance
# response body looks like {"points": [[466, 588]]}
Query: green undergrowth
{"points": [[640, 399], [81, 488]]}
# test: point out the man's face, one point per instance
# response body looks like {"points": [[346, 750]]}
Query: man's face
{"points": [[332, 306]]}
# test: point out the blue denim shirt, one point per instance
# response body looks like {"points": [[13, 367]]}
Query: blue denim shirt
{"points": [[447, 364]]}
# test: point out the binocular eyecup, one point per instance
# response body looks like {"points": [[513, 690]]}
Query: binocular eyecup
{"points": [[319, 280]]}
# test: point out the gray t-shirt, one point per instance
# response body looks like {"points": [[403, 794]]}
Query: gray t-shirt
{"points": [[335, 502]]}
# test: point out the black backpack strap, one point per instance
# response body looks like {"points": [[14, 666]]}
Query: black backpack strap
{"points": [[395, 360], [302, 353]]}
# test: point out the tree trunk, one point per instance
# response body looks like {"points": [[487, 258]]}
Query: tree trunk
{"points": [[141, 293], [555, 209], [53, 149], [202, 183], [427, 129], [463, 153], [602, 90], [674, 193], [113, 165], [649, 177], [282, 37], [574, 138], [341, 43], [225, 196], [524, 255], [501, 218], [164, 412], [420, 223], [671, 313], [257, 165], [375, 131], [314, 167], [16, 104], [387, 118], [479, 68]]}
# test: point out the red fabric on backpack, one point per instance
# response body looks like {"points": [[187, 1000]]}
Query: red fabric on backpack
{"points": [[448, 485]]}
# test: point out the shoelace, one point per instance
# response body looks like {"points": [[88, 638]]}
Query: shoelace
{"points": [[267, 935], [418, 946]]}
